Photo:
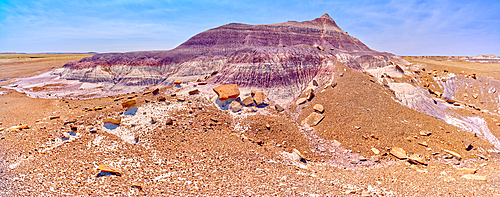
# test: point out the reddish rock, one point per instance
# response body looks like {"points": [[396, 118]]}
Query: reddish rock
{"points": [[112, 121], [227, 91], [247, 101], [319, 108], [259, 98], [156, 91], [129, 103], [312, 120], [196, 91], [107, 168], [235, 106], [177, 82]]}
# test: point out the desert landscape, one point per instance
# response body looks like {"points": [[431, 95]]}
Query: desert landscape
{"points": [[284, 109]]}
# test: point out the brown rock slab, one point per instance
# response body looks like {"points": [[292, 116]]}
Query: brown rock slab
{"points": [[279, 108], [19, 127], [259, 98], [112, 121], [423, 144], [247, 101], [180, 98], [195, 91], [107, 168], [235, 106], [425, 133], [454, 154], [129, 103], [312, 120], [398, 153], [227, 91], [319, 108], [416, 159], [301, 101], [169, 121], [156, 91]]}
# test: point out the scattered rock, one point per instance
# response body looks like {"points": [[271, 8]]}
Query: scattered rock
{"points": [[279, 108], [416, 159], [247, 101], [137, 186], [334, 84], [19, 127], [376, 158], [195, 91], [454, 154], [153, 120], [227, 91], [156, 91], [301, 101], [169, 121], [474, 177], [202, 83], [252, 109], [467, 145], [129, 103], [73, 128], [177, 82], [398, 153], [315, 83], [268, 126], [106, 168], [180, 98], [425, 133], [312, 120], [66, 136], [54, 117], [235, 106], [112, 121], [475, 96], [258, 98], [319, 108], [341, 74], [320, 47], [423, 144], [298, 156], [253, 92], [162, 99], [467, 170], [309, 94], [375, 151]]}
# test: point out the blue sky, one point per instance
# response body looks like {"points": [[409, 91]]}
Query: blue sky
{"points": [[400, 27]]}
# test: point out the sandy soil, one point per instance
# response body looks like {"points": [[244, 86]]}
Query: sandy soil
{"points": [[213, 152]]}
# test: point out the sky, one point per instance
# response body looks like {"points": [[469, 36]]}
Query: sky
{"points": [[412, 27]]}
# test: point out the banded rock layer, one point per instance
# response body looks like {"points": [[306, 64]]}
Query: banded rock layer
{"points": [[280, 59]]}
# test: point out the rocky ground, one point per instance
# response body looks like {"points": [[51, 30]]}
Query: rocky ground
{"points": [[172, 143]]}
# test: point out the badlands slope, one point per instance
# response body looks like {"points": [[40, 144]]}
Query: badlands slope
{"points": [[390, 126]]}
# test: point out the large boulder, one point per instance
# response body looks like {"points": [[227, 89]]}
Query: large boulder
{"points": [[312, 120], [259, 98], [227, 91]]}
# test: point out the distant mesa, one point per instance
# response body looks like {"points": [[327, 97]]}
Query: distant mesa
{"points": [[280, 59]]}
